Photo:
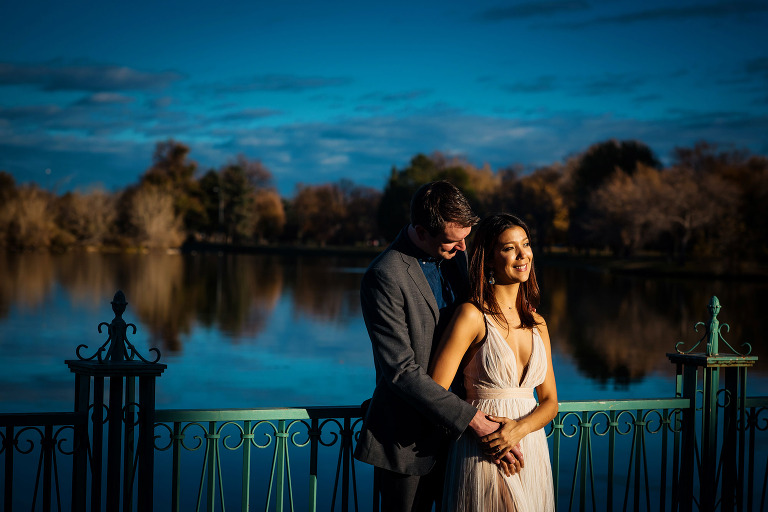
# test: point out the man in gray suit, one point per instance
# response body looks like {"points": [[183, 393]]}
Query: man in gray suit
{"points": [[408, 295]]}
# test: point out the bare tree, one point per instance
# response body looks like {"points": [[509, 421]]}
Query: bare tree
{"points": [[154, 219], [629, 210], [88, 217], [29, 219], [703, 204]]}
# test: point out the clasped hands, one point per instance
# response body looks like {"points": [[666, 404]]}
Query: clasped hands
{"points": [[500, 440]]}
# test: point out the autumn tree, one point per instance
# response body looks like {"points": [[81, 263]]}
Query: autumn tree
{"points": [[394, 208], [703, 207], [752, 179], [733, 198], [360, 208], [319, 212], [538, 199], [270, 215], [172, 172], [7, 186], [238, 216], [154, 219], [693, 203], [244, 201], [7, 194], [630, 210], [88, 217], [29, 219], [590, 171], [213, 204]]}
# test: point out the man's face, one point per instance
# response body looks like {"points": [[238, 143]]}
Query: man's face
{"points": [[447, 243]]}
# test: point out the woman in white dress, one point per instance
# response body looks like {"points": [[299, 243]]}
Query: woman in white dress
{"points": [[502, 348]]}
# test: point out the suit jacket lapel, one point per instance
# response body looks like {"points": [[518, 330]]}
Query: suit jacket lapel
{"points": [[414, 270]]}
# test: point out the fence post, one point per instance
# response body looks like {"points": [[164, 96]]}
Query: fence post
{"points": [[121, 366], [730, 398]]}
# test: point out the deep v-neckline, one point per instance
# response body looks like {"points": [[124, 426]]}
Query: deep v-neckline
{"points": [[524, 373]]}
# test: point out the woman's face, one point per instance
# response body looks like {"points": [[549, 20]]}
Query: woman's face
{"points": [[512, 257]]}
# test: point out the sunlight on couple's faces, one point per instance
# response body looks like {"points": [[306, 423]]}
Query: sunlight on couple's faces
{"points": [[448, 242], [512, 256]]}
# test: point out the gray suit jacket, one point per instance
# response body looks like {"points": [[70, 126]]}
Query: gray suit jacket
{"points": [[410, 418]]}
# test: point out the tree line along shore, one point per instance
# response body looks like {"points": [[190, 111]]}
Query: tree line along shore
{"points": [[707, 209]]}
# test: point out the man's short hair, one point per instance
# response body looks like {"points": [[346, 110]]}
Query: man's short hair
{"points": [[439, 203]]}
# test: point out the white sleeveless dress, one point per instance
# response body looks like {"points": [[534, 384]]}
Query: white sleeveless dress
{"points": [[473, 482]]}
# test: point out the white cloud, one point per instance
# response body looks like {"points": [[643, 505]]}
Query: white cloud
{"points": [[335, 160]]}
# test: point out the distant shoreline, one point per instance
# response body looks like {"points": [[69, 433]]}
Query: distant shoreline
{"points": [[285, 250], [645, 265]]}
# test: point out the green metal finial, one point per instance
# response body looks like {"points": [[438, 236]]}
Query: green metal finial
{"points": [[121, 349], [713, 333], [713, 330]]}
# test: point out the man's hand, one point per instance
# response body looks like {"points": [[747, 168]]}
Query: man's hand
{"points": [[485, 427], [482, 425]]}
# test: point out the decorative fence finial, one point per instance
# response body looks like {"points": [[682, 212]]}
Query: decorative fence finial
{"points": [[121, 349], [713, 333]]}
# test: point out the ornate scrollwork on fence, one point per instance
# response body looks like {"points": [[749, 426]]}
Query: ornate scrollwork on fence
{"points": [[131, 410], [624, 422], [46, 442], [713, 333], [104, 414], [50, 443], [121, 349], [277, 436], [632, 428], [757, 418]]}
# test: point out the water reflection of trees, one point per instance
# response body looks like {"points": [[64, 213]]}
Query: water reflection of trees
{"points": [[168, 293], [26, 281], [615, 328], [620, 328], [238, 292], [234, 294], [326, 288]]}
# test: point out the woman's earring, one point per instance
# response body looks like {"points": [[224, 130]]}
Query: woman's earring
{"points": [[491, 279]]}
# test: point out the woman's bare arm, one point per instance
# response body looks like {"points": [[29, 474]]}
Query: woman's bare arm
{"points": [[466, 328]]}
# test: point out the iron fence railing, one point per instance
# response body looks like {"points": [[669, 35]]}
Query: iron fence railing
{"points": [[281, 454], [606, 455], [34, 448], [704, 449]]}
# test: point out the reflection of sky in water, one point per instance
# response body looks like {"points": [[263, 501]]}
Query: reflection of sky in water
{"points": [[282, 366], [34, 344], [310, 346], [299, 339]]}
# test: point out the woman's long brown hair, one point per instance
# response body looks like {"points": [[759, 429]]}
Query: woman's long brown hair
{"points": [[486, 237]]}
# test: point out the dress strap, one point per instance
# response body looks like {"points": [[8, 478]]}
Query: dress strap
{"points": [[499, 393]]}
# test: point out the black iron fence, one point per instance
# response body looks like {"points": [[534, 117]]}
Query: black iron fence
{"points": [[706, 448]]}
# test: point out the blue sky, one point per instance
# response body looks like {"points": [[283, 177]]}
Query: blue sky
{"points": [[320, 91]]}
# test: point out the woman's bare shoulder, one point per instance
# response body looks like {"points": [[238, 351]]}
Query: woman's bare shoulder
{"points": [[470, 310], [469, 315]]}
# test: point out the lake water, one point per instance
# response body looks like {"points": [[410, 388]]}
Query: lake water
{"points": [[249, 331]]}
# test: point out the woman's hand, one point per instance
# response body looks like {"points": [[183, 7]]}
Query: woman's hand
{"points": [[504, 440]]}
